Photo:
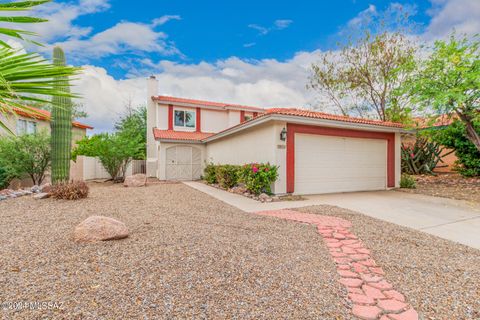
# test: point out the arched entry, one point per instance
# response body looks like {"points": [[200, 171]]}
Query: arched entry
{"points": [[183, 163]]}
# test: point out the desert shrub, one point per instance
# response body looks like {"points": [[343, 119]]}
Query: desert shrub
{"points": [[258, 177], [115, 151], [227, 175], [210, 173], [454, 137], [407, 181], [5, 178], [70, 191], [26, 155]]}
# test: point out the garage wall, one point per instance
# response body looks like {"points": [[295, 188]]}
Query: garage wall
{"points": [[398, 158], [258, 144], [162, 154]]}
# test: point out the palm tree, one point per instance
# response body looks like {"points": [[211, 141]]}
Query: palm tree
{"points": [[19, 6], [26, 77]]}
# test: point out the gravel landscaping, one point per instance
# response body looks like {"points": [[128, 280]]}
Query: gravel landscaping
{"points": [[187, 256], [448, 185], [191, 256], [439, 278]]}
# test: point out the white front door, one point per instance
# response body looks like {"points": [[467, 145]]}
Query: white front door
{"points": [[183, 163], [326, 164]]}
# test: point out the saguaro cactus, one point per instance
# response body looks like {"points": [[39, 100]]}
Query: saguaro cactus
{"points": [[61, 124]]}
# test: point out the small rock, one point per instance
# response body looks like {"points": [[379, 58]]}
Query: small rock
{"points": [[41, 195], [2, 197], [99, 228], [36, 189], [46, 187], [137, 180]]}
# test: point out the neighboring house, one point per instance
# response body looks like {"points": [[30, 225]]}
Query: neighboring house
{"points": [[315, 152], [25, 122]]}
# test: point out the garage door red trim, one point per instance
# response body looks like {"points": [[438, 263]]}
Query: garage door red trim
{"points": [[292, 129]]}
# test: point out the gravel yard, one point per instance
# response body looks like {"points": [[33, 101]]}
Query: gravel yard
{"points": [[188, 256], [448, 185], [192, 256], [441, 279]]}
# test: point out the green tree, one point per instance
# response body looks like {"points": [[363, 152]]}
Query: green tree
{"points": [[26, 155], [448, 84], [454, 137], [115, 152], [133, 124], [361, 78]]}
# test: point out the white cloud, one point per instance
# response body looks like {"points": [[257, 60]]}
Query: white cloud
{"points": [[264, 83], [61, 17], [463, 16], [279, 24], [282, 24], [124, 37], [164, 19], [363, 17]]}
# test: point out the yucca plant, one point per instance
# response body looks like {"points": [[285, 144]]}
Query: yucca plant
{"points": [[422, 157]]}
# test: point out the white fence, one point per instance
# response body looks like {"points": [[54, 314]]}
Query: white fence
{"points": [[89, 168]]}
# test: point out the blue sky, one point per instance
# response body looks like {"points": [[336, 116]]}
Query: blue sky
{"points": [[213, 30], [251, 52]]}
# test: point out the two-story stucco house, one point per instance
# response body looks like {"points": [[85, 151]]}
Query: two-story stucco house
{"points": [[315, 152]]}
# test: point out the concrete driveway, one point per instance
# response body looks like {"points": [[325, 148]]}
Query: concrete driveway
{"points": [[450, 219]]}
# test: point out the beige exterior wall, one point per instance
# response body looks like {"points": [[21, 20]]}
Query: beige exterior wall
{"points": [[258, 144], [211, 120], [214, 120]]}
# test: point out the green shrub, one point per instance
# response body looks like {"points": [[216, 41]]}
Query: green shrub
{"points": [[210, 173], [26, 155], [5, 178], [258, 177], [227, 175], [407, 181], [454, 137]]}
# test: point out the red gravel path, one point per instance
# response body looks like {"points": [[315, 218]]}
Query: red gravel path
{"points": [[371, 295]]}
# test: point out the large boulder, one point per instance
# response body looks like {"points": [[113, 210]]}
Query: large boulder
{"points": [[99, 228], [137, 180]]}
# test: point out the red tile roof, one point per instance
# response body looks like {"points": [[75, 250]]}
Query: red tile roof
{"points": [[180, 135], [40, 114], [326, 116], [206, 103]]}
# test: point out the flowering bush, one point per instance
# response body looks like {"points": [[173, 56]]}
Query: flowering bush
{"points": [[258, 177]]}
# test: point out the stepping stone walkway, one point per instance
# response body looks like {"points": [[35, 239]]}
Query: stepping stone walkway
{"points": [[372, 296]]}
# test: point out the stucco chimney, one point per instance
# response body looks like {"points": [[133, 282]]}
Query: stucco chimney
{"points": [[152, 148]]}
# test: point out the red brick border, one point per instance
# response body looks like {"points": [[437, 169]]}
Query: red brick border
{"points": [[371, 295]]}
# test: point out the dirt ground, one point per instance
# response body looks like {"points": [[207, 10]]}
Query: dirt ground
{"points": [[448, 185]]}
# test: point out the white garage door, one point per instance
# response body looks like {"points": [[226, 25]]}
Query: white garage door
{"points": [[183, 163], [325, 164]]}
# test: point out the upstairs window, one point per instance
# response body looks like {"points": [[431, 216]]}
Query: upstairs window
{"points": [[26, 127], [184, 118]]}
